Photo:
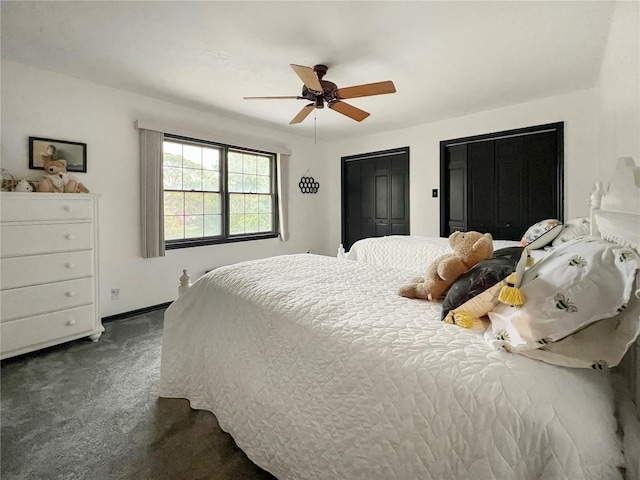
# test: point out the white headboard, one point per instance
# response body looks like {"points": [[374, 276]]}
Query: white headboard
{"points": [[615, 215]]}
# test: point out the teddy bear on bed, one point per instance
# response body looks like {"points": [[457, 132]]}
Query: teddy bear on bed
{"points": [[469, 248]]}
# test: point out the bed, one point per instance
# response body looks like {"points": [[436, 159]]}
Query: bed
{"points": [[319, 370], [406, 252], [412, 253]]}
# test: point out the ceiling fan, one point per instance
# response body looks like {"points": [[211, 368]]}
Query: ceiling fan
{"points": [[320, 91]]}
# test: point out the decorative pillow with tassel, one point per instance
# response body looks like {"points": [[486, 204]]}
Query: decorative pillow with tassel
{"points": [[481, 277], [472, 313]]}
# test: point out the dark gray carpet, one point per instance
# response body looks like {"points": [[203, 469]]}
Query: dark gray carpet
{"points": [[87, 410]]}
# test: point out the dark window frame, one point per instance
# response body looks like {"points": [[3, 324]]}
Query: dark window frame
{"points": [[225, 236]]}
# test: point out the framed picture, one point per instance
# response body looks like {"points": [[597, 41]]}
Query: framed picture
{"points": [[74, 153]]}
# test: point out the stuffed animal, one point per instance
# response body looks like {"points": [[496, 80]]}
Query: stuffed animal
{"points": [[57, 179], [23, 186], [468, 248]]}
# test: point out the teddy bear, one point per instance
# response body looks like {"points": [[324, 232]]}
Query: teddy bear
{"points": [[469, 248], [57, 179]]}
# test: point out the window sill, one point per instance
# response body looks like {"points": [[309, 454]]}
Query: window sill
{"points": [[199, 242]]}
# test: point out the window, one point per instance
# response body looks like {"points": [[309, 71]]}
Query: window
{"points": [[216, 193]]}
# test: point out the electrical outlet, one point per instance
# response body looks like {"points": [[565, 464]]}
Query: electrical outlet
{"points": [[115, 294], [434, 192]]}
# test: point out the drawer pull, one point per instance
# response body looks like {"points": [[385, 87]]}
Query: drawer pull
{"points": [[71, 323], [71, 294], [70, 265], [68, 208], [70, 236]]}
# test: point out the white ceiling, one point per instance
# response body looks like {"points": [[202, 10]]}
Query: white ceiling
{"points": [[446, 58]]}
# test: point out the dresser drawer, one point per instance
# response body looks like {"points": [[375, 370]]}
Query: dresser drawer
{"points": [[37, 269], [46, 207], [35, 239], [46, 328], [28, 301]]}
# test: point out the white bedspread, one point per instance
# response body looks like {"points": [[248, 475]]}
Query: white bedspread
{"points": [[412, 253], [319, 370]]}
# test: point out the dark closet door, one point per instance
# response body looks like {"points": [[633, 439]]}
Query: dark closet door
{"points": [[543, 182], [375, 195], [502, 183], [510, 213], [457, 194], [481, 187]]}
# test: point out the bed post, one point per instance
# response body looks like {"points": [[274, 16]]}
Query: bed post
{"points": [[185, 282], [595, 200]]}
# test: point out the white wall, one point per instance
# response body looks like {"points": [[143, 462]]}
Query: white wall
{"points": [[601, 124], [619, 89], [577, 110], [45, 104]]}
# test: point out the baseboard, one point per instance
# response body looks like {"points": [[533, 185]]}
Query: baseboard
{"points": [[133, 313]]}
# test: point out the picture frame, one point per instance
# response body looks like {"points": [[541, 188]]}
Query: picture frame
{"points": [[75, 153]]}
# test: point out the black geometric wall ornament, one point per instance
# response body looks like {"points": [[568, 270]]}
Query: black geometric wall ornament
{"points": [[308, 184]]}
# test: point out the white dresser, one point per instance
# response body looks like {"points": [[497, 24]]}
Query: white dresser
{"points": [[49, 264]]}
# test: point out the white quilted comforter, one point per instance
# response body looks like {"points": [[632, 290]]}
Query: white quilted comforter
{"points": [[319, 370], [412, 253]]}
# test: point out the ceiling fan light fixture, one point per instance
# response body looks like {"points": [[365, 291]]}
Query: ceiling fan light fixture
{"points": [[319, 91]]}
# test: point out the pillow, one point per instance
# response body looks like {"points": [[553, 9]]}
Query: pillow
{"points": [[481, 276], [471, 314], [541, 233], [598, 346], [578, 283], [578, 227]]}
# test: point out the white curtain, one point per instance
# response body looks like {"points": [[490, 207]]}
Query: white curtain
{"points": [[283, 196], [151, 193]]}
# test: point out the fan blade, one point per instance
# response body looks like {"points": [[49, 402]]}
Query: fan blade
{"points": [[349, 110], [308, 77], [271, 98], [379, 88], [302, 114]]}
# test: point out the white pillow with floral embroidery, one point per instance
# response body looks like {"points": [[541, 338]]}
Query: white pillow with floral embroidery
{"points": [[580, 282], [578, 227]]}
